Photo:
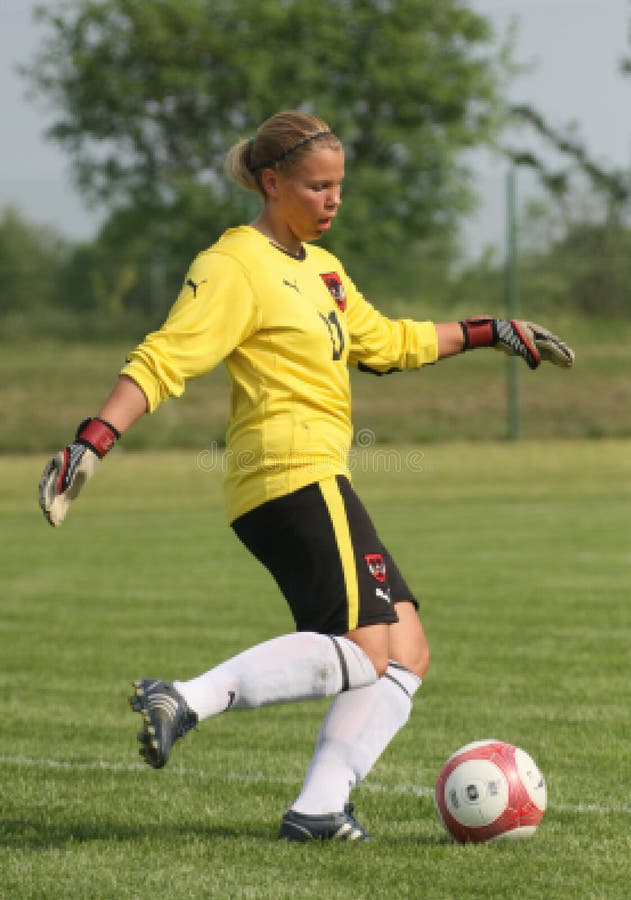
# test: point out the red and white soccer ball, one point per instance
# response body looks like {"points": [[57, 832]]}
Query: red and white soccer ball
{"points": [[488, 790]]}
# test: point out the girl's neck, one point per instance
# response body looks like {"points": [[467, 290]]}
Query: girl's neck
{"points": [[280, 237]]}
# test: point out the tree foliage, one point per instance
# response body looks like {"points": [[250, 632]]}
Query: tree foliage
{"points": [[148, 97], [586, 269], [31, 258]]}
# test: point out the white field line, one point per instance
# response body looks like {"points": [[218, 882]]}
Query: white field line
{"points": [[101, 765]]}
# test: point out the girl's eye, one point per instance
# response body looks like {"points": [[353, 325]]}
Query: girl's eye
{"points": [[324, 186]]}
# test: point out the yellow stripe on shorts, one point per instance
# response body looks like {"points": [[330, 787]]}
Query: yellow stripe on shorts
{"points": [[337, 511]]}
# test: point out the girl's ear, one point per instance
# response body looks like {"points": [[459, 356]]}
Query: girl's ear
{"points": [[269, 181]]}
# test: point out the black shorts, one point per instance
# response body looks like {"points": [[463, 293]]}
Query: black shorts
{"points": [[320, 545]]}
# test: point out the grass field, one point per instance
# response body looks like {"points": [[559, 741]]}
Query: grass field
{"points": [[521, 555]]}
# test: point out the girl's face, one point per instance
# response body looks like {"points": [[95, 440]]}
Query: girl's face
{"points": [[306, 200]]}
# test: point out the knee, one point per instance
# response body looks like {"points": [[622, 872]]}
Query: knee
{"points": [[415, 657], [417, 660], [421, 661], [372, 640], [380, 662]]}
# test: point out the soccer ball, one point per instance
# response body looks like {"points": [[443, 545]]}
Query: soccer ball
{"points": [[488, 790]]}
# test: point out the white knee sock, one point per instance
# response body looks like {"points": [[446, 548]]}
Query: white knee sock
{"points": [[356, 730], [298, 666]]}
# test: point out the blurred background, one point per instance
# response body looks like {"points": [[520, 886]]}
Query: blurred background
{"points": [[489, 171]]}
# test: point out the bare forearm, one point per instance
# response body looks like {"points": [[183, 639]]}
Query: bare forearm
{"points": [[450, 339], [125, 404]]}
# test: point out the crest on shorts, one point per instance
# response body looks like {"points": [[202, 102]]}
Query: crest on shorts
{"points": [[336, 288], [376, 566]]}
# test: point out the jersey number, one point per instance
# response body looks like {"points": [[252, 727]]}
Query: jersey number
{"points": [[335, 332]]}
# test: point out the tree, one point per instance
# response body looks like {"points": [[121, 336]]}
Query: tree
{"points": [[31, 257], [584, 268], [149, 96]]}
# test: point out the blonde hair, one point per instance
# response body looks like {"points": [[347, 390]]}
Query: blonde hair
{"points": [[280, 143]]}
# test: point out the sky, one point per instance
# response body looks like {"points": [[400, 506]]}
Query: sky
{"points": [[573, 50]]}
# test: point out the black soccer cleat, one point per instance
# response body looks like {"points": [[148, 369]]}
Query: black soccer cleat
{"points": [[341, 826], [166, 718]]}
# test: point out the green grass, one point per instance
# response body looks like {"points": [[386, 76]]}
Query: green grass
{"points": [[520, 555]]}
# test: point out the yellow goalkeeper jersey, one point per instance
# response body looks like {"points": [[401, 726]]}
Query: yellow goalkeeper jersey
{"points": [[286, 329]]}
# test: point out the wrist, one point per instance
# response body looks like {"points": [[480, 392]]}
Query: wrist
{"points": [[98, 435], [479, 332]]}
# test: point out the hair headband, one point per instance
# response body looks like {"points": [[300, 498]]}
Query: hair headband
{"points": [[285, 153]]}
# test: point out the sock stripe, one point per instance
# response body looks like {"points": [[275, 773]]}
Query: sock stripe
{"points": [[406, 680], [395, 665], [343, 664], [398, 684]]}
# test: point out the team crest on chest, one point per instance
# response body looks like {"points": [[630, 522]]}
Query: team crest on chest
{"points": [[376, 566], [336, 288]]}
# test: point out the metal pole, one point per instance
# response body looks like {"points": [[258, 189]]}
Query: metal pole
{"points": [[512, 303]]}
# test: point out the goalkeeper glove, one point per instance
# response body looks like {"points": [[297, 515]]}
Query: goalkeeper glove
{"points": [[532, 342], [67, 472]]}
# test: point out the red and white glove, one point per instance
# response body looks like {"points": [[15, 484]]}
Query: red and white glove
{"points": [[67, 472], [532, 342]]}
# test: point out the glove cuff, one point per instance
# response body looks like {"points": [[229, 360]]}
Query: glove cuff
{"points": [[98, 435], [480, 332]]}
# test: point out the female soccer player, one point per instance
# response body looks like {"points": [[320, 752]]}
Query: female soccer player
{"points": [[287, 321]]}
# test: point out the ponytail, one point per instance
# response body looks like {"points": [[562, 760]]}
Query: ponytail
{"points": [[239, 165], [280, 143]]}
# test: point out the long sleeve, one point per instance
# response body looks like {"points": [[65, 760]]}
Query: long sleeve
{"points": [[380, 344], [214, 313]]}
